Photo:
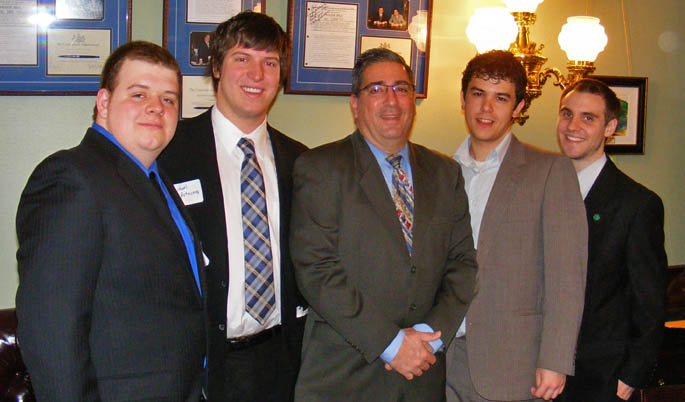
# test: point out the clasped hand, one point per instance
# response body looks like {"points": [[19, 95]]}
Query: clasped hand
{"points": [[415, 355]]}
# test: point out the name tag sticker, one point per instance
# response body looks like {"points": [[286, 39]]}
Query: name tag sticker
{"points": [[190, 192]]}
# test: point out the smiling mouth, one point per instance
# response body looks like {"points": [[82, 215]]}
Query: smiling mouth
{"points": [[573, 139], [252, 90], [484, 121]]}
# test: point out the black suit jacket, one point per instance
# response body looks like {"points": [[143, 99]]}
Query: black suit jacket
{"points": [[625, 297], [192, 155], [108, 307]]}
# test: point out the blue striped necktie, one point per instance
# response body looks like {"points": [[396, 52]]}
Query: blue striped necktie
{"points": [[259, 278], [403, 196]]}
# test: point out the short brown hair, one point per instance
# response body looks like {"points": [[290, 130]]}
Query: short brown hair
{"points": [[136, 50], [373, 56], [252, 31], [612, 105], [496, 65]]}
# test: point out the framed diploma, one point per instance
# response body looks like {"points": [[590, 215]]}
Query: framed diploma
{"points": [[327, 36], [188, 25], [58, 47]]}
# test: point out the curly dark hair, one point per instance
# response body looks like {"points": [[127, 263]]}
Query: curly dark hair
{"points": [[497, 65]]}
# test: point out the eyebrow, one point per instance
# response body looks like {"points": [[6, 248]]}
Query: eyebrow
{"points": [[567, 109], [147, 87], [241, 53], [398, 82]]}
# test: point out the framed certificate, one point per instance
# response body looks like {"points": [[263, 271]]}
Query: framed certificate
{"points": [[58, 47], [328, 36]]}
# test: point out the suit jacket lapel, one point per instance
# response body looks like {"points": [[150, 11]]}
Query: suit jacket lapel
{"points": [[193, 233], [424, 201], [507, 180], [601, 192], [373, 185], [144, 190]]}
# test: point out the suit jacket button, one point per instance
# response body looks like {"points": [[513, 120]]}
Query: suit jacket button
{"points": [[413, 269], [222, 327], [223, 284], [412, 307]]}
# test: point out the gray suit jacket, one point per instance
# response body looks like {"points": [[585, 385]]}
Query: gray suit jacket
{"points": [[352, 266], [532, 257]]}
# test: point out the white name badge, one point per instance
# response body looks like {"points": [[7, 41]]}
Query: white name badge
{"points": [[190, 192]]}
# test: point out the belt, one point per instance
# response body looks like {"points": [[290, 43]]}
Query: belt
{"points": [[243, 342]]}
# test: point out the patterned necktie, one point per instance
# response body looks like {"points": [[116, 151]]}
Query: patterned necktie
{"points": [[259, 278], [403, 196]]}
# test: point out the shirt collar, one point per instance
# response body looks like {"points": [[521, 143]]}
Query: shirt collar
{"points": [[587, 176], [463, 155], [381, 155], [110, 137], [229, 134]]}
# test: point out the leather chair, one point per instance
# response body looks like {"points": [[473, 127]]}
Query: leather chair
{"points": [[15, 384], [668, 383]]}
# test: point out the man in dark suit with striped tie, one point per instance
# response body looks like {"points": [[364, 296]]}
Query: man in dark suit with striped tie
{"points": [[233, 172]]}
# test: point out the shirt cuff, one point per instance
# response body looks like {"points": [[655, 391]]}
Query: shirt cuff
{"points": [[437, 344], [391, 351]]}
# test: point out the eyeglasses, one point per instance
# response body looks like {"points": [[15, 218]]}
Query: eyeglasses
{"points": [[376, 89]]}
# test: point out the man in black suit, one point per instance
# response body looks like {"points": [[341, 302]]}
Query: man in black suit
{"points": [[109, 300], [250, 358], [623, 318]]}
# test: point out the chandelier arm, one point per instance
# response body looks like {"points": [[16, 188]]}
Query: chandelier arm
{"points": [[553, 71]]}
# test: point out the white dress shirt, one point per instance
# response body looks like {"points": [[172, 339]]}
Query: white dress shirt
{"points": [[479, 178], [230, 159], [587, 176]]}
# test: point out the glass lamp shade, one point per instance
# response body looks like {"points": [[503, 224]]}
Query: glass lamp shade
{"points": [[582, 38], [491, 28], [522, 5], [418, 29]]}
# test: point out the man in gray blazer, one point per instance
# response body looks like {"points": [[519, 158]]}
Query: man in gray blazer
{"points": [[382, 250], [519, 337]]}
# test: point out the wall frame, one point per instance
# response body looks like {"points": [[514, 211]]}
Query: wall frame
{"points": [[630, 132], [186, 24], [327, 36], [65, 57]]}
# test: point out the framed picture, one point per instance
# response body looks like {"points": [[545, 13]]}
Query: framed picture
{"points": [[188, 26], [630, 132], [328, 36], [58, 47]]}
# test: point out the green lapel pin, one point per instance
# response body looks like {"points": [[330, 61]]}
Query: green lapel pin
{"points": [[595, 217]]}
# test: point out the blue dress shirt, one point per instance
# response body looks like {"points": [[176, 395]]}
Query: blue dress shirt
{"points": [[173, 209]]}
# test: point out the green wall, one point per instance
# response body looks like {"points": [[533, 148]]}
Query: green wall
{"points": [[33, 127]]}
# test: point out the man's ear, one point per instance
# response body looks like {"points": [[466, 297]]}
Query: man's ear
{"points": [[518, 108], [353, 104], [463, 101], [610, 128], [102, 102], [216, 72]]}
